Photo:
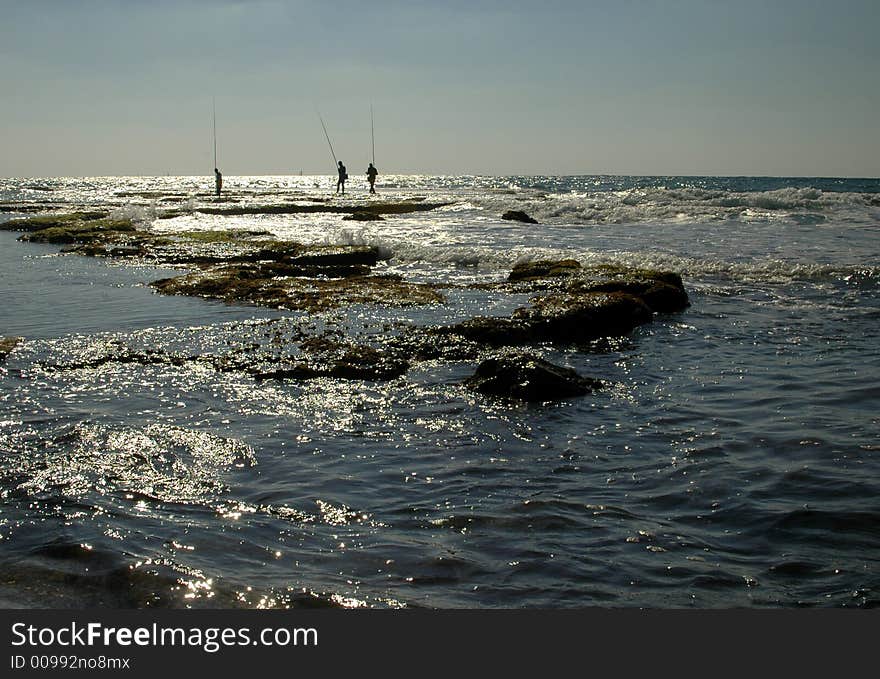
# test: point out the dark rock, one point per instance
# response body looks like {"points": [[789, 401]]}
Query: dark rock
{"points": [[577, 319], [527, 377], [363, 216], [316, 271], [560, 318], [662, 291], [7, 344], [544, 268], [333, 255], [660, 297], [518, 216], [403, 207]]}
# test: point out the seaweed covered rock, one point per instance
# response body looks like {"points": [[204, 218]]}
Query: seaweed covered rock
{"points": [[527, 377], [239, 247], [544, 268], [262, 285], [79, 231], [243, 266], [41, 222], [518, 216], [662, 291]]}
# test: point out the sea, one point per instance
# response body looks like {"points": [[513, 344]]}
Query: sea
{"points": [[731, 460]]}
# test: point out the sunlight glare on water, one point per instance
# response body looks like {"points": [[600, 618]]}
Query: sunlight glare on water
{"points": [[730, 458]]}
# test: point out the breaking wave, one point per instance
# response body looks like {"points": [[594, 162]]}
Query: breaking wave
{"points": [[688, 205]]}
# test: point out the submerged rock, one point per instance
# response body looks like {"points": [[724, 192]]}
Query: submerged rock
{"points": [[527, 377], [518, 216], [342, 361]]}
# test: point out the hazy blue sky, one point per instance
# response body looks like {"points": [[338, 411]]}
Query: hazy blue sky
{"points": [[780, 87]]}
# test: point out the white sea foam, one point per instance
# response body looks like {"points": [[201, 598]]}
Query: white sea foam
{"points": [[140, 215], [358, 236]]}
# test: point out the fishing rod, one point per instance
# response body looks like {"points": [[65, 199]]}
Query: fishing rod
{"points": [[214, 107], [373, 133], [332, 153]]}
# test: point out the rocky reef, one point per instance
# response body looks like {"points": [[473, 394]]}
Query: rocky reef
{"points": [[568, 317], [570, 307], [242, 267]]}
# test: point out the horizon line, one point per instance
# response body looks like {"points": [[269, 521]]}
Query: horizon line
{"points": [[463, 174]]}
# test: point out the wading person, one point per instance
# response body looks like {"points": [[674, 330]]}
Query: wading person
{"points": [[218, 181]]}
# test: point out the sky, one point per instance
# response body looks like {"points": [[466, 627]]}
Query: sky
{"points": [[643, 87]]}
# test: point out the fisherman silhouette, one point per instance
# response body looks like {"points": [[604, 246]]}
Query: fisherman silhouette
{"points": [[218, 181], [372, 172], [343, 175]]}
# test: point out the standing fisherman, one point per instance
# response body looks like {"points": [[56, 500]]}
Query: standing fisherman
{"points": [[218, 181], [343, 175], [372, 172]]}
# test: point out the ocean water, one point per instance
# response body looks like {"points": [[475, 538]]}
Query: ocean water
{"points": [[732, 461]]}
